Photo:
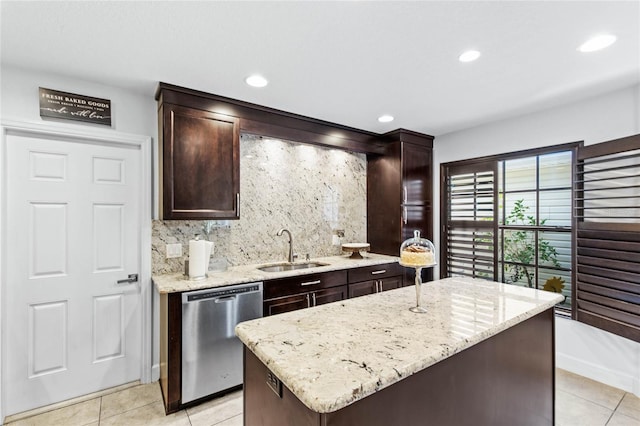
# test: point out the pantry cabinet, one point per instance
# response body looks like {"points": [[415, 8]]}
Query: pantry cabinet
{"points": [[399, 193]]}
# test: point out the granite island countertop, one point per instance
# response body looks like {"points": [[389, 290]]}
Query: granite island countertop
{"points": [[332, 355], [173, 283]]}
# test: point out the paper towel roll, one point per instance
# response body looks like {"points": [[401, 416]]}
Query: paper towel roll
{"points": [[197, 262]]}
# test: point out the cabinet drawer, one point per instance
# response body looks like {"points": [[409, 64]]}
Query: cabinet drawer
{"points": [[375, 272], [303, 283]]}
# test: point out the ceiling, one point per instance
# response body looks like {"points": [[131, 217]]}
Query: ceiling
{"points": [[344, 62]]}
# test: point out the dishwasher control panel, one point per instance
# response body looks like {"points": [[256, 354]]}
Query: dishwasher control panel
{"points": [[232, 291]]}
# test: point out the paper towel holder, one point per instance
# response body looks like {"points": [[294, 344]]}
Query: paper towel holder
{"points": [[188, 262], [186, 273]]}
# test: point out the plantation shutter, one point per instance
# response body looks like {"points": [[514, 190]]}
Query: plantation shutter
{"points": [[469, 228], [607, 214]]}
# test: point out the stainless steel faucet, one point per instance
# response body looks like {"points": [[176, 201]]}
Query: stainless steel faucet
{"points": [[280, 232]]}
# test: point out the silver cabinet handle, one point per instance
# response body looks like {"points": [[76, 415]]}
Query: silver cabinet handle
{"points": [[238, 204], [404, 193], [308, 301], [311, 282], [404, 215], [379, 286], [132, 278], [381, 271], [313, 296]]}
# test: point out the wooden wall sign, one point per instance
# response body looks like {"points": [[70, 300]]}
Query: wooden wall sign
{"points": [[70, 106]]}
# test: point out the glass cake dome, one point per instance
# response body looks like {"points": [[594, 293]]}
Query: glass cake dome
{"points": [[417, 252]]}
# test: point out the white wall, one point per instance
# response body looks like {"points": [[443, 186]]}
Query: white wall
{"points": [[580, 348], [132, 113]]}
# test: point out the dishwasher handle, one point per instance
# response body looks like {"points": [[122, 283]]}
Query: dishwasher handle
{"points": [[225, 299], [226, 292]]}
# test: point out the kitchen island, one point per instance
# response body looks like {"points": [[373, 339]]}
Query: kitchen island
{"points": [[483, 354]]}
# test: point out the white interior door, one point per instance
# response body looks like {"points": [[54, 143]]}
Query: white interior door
{"points": [[73, 231]]}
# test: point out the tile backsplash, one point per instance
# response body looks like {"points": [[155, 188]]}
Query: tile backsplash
{"points": [[312, 191]]}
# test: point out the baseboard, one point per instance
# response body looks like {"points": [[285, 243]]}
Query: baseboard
{"points": [[155, 372], [617, 379]]}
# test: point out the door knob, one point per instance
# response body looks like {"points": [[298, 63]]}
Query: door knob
{"points": [[132, 278]]}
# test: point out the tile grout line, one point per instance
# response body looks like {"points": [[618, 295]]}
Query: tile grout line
{"points": [[188, 416], [100, 412], [594, 402], [127, 410], [228, 418], [616, 409]]}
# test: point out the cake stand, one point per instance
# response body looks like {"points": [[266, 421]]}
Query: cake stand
{"points": [[355, 249], [418, 309]]}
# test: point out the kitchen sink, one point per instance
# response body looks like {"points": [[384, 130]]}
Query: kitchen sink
{"points": [[290, 266]]}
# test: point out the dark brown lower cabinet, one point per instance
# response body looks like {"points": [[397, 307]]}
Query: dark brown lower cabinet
{"points": [[374, 286], [374, 279], [363, 288], [329, 295], [304, 300], [285, 304], [505, 380], [171, 350], [293, 293]]}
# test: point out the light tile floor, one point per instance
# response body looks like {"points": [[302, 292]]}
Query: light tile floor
{"points": [[579, 402]]}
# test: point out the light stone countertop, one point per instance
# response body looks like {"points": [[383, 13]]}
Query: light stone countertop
{"points": [[332, 355], [172, 283]]}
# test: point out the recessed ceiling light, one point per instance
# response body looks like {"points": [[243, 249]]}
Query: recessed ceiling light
{"points": [[469, 56], [385, 118], [256, 81], [598, 42]]}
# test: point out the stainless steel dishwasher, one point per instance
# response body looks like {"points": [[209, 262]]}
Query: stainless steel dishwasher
{"points": [[211, 352]]}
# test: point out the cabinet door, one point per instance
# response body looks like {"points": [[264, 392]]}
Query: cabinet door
{"points": [[362, 288], [201, 168], [416, 174], [391, 283], [416, 218], [410, 276], [329, 295], [286, 304]]}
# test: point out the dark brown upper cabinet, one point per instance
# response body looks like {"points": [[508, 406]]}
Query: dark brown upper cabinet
{"points": [[399, 191], [199, 138], [416, 165], [200, 164]]}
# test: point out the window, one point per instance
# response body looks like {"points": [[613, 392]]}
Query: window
{"points": [[508, 219], [566, 218], [535, 222]]}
